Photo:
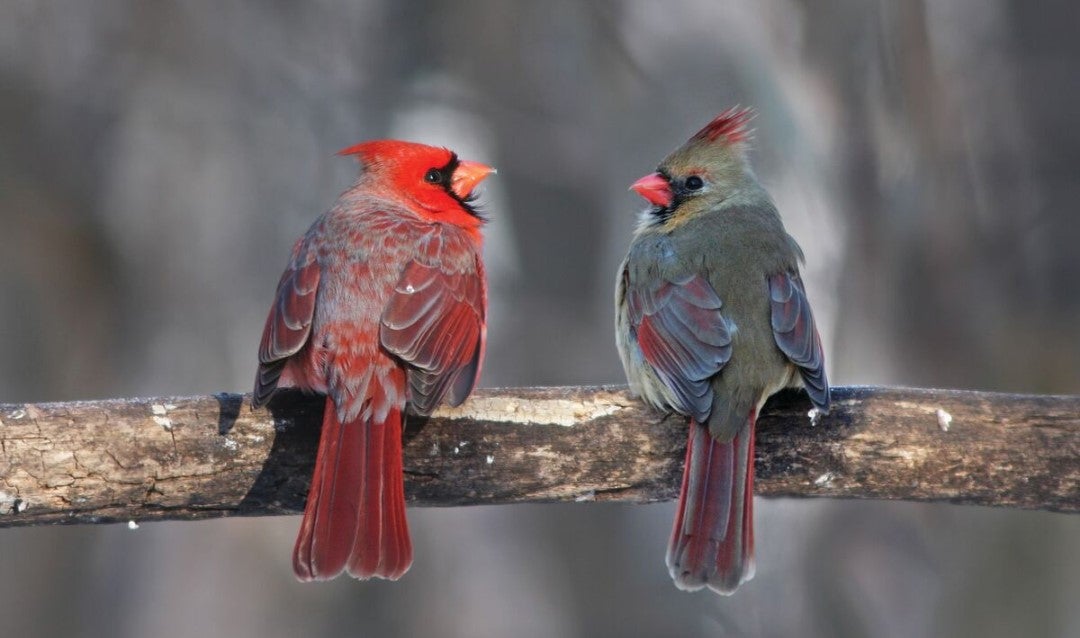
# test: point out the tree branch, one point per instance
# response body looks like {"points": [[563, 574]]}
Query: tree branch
{"points": [[198, 457]]}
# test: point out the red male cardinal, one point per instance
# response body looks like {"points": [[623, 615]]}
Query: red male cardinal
{"points": [[383, 306], [712, 319]]}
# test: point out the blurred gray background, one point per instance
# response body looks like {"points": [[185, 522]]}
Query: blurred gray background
{"points": [[158, 159]]}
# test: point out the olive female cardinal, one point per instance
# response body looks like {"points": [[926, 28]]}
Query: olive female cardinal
{"points": [[382, 307], [712, 319]]}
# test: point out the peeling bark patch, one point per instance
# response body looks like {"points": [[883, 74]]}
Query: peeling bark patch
{"points": [[562, 412], [8, 503], [159, 411]]}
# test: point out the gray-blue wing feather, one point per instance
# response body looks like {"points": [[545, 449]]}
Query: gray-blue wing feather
{"points": [[682, 335], [797, 336]]}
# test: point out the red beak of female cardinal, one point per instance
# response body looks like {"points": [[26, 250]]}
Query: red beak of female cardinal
{"points": [[467, 175], [655, 188]]}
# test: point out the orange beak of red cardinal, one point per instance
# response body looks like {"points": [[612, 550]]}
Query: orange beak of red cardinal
{"points": [[467, 175], [655, 188]]}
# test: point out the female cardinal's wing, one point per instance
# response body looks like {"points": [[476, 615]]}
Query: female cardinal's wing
{"points": [[289, 322], [436, 322], [797, 336], [682, 335]]}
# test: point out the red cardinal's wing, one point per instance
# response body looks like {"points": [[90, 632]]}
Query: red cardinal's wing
{"points": [[289, 323], [435, 322], [797, 336], [682, 335]]}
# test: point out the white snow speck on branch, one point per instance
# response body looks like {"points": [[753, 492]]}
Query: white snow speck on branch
{"points": [[944, 419]]}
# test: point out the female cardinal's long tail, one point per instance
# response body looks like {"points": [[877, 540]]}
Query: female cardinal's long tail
{"points": [[355, 514], [712, 542]]}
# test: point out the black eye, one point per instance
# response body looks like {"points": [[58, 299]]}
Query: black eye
{"points": [[434, 176], [694, 183]]}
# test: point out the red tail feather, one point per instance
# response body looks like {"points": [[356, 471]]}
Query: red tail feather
{"points": [[712, 542], [355, 514]]}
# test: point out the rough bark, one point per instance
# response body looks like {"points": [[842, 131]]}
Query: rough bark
{"points": [[198, 457]]}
